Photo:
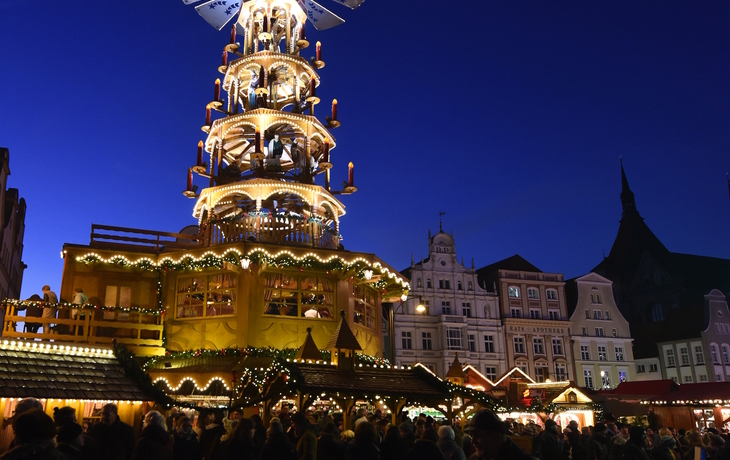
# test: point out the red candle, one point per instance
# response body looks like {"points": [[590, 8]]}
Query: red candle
{"points": [[257, 141], [207, 116], [190, 180], [200, 153], [233, 34], [351, 175], [266, 24], [319, 51], [312, 87], [334, 109], [262, 77], [217, 95], [302, 35], [326, 151], [225, 58]]}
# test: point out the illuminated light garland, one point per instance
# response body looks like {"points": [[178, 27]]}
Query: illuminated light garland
{"points": [[192, 379], [89, 307], [39, 347]]}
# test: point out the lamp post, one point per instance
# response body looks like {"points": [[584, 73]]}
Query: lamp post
{"points": [[420, 308]]}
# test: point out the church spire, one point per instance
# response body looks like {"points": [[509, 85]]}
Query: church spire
{"points": [[627, 196]]}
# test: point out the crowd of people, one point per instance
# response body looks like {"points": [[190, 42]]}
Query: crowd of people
{"points": [[318, 435]]}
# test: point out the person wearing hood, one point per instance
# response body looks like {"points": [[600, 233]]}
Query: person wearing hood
{"points": [[634, 447], [448, 445], [154, 441], [665, 449]]}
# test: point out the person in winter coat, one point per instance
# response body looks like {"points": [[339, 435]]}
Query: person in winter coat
{"points": [[393, 446], [154, 441], [634, 447], [329, 446], [447, 444], [34, 434], [665, 450], [547, 444], [425, 448], [363, 446], [114, 437], [277, 446], [185, 442], [71, 439], [240, 443], [306, 437], [577, 449], [596, 444], [489, 438]]}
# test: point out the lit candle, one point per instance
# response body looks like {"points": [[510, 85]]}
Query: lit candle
{"points": [[217, 89], [225, 58], [351, 175], [233, 34], [190, 180], [319, 51], [200, 153], [207, 116], [326, 151], [334, 109], [257, 141]]}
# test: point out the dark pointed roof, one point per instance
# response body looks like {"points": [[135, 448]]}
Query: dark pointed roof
{"points": [[515, 262], [309, 349], [343, 338], [455, 371], [628, 201]]}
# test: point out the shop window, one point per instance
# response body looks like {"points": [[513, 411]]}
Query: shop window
{"points": [[304, 296], [206, 295]]}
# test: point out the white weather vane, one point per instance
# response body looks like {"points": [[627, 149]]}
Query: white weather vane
{"points": [[218, 13]]}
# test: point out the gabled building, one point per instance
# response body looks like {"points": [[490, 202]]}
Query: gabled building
{"points": [[599, 334], [459, 314], [662, 294], [12, 231], [534, 316]]}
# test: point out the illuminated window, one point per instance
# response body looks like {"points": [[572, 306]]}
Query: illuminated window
{"points": [[118, 296], [514, 292], [588, 378], [365, 306], [602, 355], [206, 295], [619, 353], [297, 295]]}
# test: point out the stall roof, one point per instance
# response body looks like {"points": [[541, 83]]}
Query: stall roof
{"points": [[39, 372], [696, 392], [642, 388]]}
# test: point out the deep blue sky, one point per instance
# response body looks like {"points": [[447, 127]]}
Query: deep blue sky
{"points": [[510, 116]]}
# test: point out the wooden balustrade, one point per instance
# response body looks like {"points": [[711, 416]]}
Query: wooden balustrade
{"points": [[140, 332], [270, 229]]}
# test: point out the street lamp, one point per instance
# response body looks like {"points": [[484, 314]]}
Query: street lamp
{"points": [[420, 308]]}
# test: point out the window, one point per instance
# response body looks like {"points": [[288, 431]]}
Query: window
{"points": [[554, 314], [588, 378], [699, 356], [365, 301], [471, 286], [466, 309], [561, 372], [584, 330], [605, 379], [670, 357], [684, 356], [519, 344], [534, 313], [599, 332], [533, 293], [585, 353], [516, 312], [453, 338], [514, 292], [418, 283], [428, 283], [472, 343], [523, 366], [444, 284], [597, 314], [489, 343], [538, 346], [725, 354], [541, 373], [551, 294], [312, 297], [406, 340], [614, 332], [202, 295], [703, 377], [602, 355], [490, 373], [640, 369], [619, 353], [557, 346], [445, 307], [427, 343], [653, 368], [687, 379], [596, 298], [714, 355], [459, 286], [674, 379], [588, 314]]}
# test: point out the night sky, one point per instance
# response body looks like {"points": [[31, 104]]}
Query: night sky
{"points": [[509, 116]]}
